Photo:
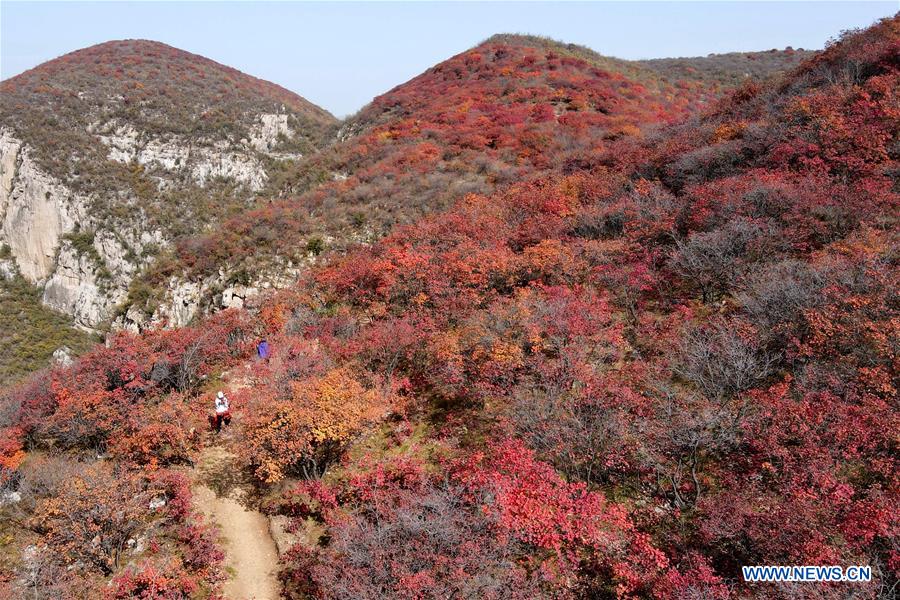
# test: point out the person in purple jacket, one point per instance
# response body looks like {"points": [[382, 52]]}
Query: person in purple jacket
{"points": [[262, 350]]}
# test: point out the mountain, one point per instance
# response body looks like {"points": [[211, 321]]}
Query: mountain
{"points": [[483, 108], [109, 153], [509, 108], [638, 375], [670, 354]]}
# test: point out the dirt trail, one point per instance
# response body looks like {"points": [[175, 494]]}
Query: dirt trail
{"points": [[250, 553]]}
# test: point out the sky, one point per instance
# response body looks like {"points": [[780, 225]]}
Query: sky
{"points": [[340, 55]]}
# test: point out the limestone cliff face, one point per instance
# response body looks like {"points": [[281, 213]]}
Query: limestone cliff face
{"points": [[265, 134], [76, 289], [85, 264], [37, 213], [9, 154], [184, 300], [36, 210], [90, 285], [200, 160]]}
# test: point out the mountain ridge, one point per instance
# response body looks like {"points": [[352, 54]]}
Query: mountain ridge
{"points": [[127, 49]]}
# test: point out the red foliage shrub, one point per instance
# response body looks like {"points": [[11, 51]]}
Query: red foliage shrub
{"points": [[153, 582], [402, 532]]}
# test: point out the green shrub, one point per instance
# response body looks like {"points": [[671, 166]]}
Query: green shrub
{"points": [[82, 242], [30, 332], [315, 245], [358, 219]]}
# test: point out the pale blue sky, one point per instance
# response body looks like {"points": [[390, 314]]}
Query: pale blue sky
{"points": [[341, 55]]}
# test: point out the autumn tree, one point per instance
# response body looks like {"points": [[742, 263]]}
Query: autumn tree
{"points": [[306, 431], [91, 516]]}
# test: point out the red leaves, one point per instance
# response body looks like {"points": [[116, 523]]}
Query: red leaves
{"points": [[364, 280], [12, 451], [696, 578], [134, 396], [580, 425], [530, 501], [396, 528], [470, 123], [150, 581], [489, 504], [765, 468], [92, 514]]}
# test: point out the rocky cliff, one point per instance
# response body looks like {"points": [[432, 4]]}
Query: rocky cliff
{"points": [[36, 210], [85, 264]]}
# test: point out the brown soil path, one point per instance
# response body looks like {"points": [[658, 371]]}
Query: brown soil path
{"points": [[250, 553]]}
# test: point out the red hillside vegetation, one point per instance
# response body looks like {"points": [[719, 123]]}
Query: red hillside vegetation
{"points": [[146, 71], [507, 109], [625, 376]]}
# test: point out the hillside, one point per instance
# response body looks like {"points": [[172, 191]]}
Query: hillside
{"points": [[109, 153], [29, 331], [510, 108], [140, 145], [728, 70], [625, 375]]}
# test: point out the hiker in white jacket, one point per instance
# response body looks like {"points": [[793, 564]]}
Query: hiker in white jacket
{"points": [[223, 414]]}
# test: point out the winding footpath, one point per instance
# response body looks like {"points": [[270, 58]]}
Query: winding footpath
{"points": [[251, 557]]}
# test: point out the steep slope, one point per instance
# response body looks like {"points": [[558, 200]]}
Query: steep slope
{"points": [[694, 333], [30, 332], [108, 153], [510, 108]]}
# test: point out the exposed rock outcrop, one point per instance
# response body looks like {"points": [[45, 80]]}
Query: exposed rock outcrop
{"points": [[7, 270], [36, 210], [38, 214], [264, 136], [63, 356], [177, 154], [184, 300], [81, 287]]}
